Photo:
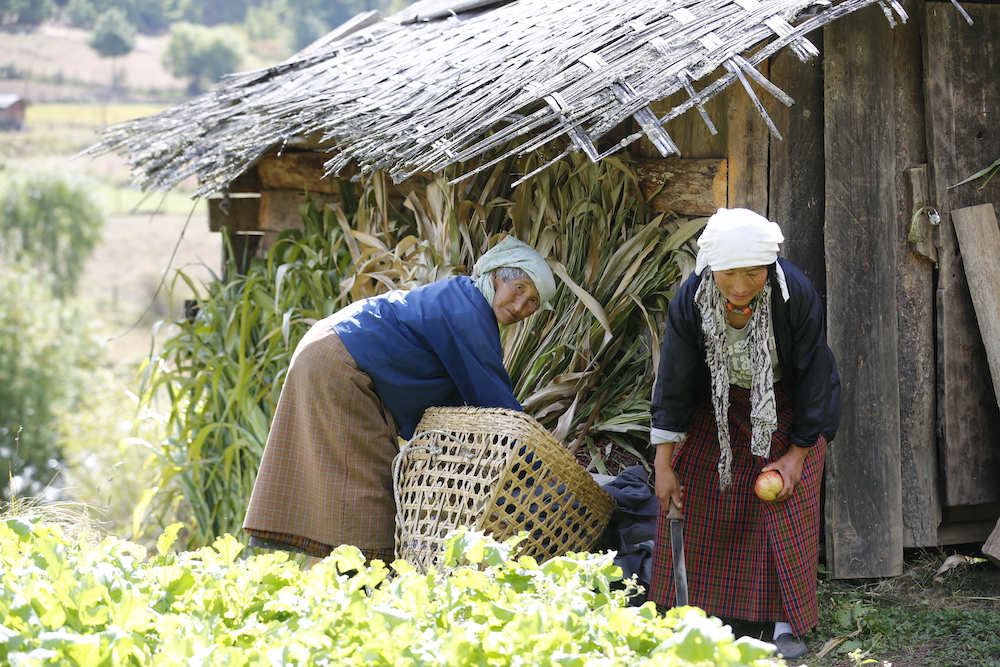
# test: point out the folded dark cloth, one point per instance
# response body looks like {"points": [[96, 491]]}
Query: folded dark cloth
{"points": [[633, 493], [632, 528]]}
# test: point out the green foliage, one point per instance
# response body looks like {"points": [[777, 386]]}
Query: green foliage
{"points": [[203, 54], [52, 221], [601, 340], [81, 13], [105, 459], [594, 354], [307, 20], [934, 614], [222, 372], [26, 14], [83, 602], [268, 36], [49, 225], [148, 16], [307, 27], [44, 353], [113, 35], [311, 19], [262, 24]]}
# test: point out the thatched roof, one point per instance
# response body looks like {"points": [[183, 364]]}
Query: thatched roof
{"points": [[449, 81]]}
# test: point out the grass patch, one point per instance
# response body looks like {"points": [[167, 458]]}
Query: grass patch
{"points": [[87, 116], [913, 620], [124, 199]]}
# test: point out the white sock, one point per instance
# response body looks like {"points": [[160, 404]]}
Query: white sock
{"points": [[781, 628]]}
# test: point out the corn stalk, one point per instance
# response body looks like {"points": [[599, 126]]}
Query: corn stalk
{"points": [[221, 373]]}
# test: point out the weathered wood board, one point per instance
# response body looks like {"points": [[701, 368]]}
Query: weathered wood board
{"points": [[748, 138], [979, 242], [296, 171], [239, 214], [864, 531], [991, 549], [796, 188], [917, 369], [962, 64], [686, 187], [915, 292], [689, 131], [920, 232]]}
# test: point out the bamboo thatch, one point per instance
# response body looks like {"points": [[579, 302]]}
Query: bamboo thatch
{"points": [[450, 81]]}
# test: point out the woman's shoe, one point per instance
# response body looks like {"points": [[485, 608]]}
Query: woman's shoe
{"points": [[790, 646]]}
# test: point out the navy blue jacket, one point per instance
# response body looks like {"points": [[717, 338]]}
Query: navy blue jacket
{"points": [[438, 344], [808, 370]]}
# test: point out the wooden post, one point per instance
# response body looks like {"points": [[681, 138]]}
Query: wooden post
{"points": [[864, 530], [685, 187]]}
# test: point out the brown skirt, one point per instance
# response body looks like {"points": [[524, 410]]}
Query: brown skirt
{"points": [[325, 478]]}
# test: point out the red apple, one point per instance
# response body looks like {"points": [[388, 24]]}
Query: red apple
{"points": [[768, 485]]}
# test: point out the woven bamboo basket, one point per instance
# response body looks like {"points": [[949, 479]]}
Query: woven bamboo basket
{"points": [[497, 471]]}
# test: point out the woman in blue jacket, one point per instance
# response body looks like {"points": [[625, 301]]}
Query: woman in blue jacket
{"points": [[746, 383], [362, 378]]}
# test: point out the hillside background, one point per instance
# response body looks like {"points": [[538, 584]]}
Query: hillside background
{"points": [[48, 57], [73, 92]]}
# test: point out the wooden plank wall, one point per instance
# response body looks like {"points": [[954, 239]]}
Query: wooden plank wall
{"points": [[915, 297], [796, 186], [747, 139], [963, 89], [864, 531]]}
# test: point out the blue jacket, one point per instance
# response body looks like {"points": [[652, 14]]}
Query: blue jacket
{"points": [[438, 344], [808, 369]]}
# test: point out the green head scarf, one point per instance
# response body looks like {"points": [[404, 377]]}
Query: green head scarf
{"points": [[511, 252]]}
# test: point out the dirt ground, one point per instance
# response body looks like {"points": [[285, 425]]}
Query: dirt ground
{"points": [[123, 277]]}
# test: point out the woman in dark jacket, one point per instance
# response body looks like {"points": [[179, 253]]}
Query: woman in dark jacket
{"points": [[746, 383]]}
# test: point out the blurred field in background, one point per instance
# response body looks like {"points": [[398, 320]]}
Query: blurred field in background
{"points": [[146, 237], [141, 232]]}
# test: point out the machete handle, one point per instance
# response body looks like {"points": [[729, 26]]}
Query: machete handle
{"points": [[674, 513]]}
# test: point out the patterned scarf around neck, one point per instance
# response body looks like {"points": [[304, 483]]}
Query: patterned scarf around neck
{"points": [[763, 412]]}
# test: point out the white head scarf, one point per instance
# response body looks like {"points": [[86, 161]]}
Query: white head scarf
{"points": [[733, 239], [511, 252], [736, 238]]}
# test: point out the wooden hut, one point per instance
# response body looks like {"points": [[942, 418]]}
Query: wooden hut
{"points": [[12, 110], [892, 108]]}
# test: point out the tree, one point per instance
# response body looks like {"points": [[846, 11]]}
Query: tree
{"points": [[81, 13], [52, 222], [203, 54], [113, 35], [26, 13], [49, 225]]}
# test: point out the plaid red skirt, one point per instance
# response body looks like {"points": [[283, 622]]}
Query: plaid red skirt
{"points": [[746, 559], [325, 478]]}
